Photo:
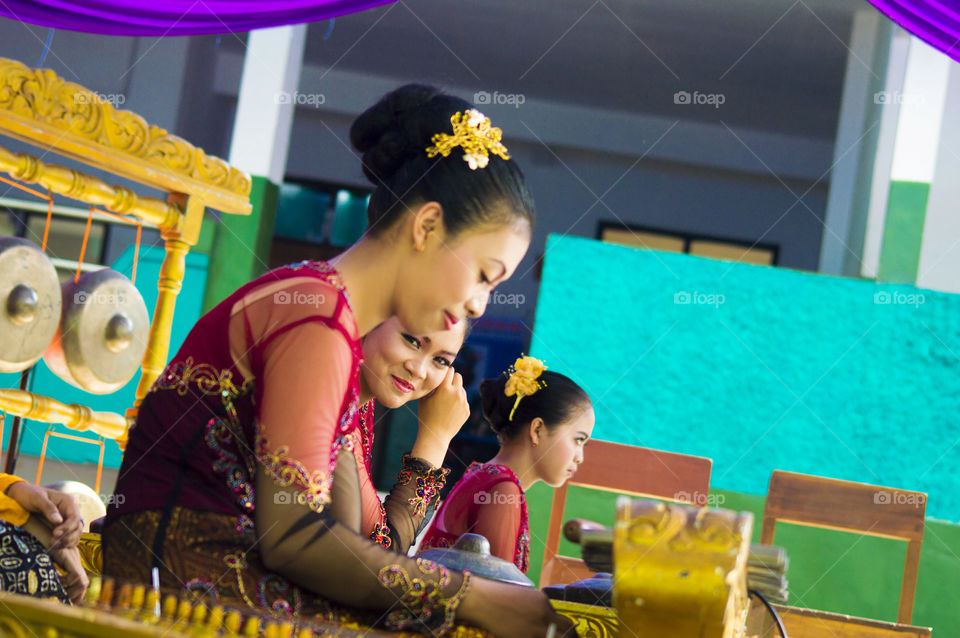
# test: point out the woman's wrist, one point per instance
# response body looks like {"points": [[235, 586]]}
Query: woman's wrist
{"points": [[431, 449]]}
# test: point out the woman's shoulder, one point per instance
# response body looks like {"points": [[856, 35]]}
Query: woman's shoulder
{"points": [[490, 469], [294, 294], [489, 476], [318, 275]]}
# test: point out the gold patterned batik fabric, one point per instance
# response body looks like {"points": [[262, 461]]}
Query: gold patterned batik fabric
{"points": [[215, 558], [25, 566]]}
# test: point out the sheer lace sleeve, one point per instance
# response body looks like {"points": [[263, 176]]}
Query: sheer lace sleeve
{"points": [[497, 516], [305, 377], [415, 493], [319, 553]]}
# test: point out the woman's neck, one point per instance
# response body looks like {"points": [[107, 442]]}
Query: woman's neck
{"points": [[368, 269], [366, 394], [517, 457]]}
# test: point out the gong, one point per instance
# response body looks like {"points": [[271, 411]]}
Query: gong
{"points": [[31, 302], [103, 332]]}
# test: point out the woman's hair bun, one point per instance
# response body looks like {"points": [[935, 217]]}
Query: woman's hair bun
{"points": [[390, 132], [392, 137], [558, 399], [491, 396]]}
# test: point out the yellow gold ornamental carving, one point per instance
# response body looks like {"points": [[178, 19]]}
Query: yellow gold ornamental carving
{"points": [[591, 621], [39, 106], [679, 570]]}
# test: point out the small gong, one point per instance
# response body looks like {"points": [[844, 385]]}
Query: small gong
{"points": [[29, 303], [103, 332], [472, 552]]}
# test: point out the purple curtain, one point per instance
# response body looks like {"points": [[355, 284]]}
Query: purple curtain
{"points": [[176, 17], [935, 22]]}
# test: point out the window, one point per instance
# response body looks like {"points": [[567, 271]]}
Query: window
{"points": [[702, 246], [108, 237]]}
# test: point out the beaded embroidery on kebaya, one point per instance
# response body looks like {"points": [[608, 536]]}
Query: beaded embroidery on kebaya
{"points": [[430, 482], [422, 601]]}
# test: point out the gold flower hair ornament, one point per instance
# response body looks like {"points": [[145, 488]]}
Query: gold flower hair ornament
{"points": [[473, 133], [523, 380]]}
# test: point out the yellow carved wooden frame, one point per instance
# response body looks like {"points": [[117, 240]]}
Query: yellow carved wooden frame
{"points": [[41, 108]]}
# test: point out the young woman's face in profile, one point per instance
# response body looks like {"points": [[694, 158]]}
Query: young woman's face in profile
{"points": [[451, 279], [560, 452], [399, 367]]}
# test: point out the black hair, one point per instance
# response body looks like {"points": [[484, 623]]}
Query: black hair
{"points": [[393, 136], [558, 399]]}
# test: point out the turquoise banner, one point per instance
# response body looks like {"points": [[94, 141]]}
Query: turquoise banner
{"points": [[759, 368]]}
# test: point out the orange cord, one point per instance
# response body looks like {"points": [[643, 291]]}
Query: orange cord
{"points": [[46, 229], [86, 236], [43, 453]]}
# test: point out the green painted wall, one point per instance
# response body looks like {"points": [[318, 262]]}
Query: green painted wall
{"points": [[240, 248], [903, 232]]}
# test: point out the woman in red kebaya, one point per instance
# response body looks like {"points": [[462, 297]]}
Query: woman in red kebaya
{"points": [[233, 476], [543, 419]]}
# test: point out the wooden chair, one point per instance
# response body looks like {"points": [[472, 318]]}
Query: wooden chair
{"points": [[626, 469], [810, 623], [851, 507]]}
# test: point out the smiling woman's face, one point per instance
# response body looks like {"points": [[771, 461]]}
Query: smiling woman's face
{"points": [[400, 367]]}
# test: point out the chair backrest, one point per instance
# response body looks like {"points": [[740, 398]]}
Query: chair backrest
{"points": [[625, 469], [851, 507], [812, 623]]}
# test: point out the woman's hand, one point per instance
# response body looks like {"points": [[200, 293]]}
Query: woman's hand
{"points": [[511, 611], [75, 581], [441, 414], [59, 509]]}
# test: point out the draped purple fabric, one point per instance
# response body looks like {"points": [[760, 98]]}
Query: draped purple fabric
{"points": [[176, 17], [935, 22]]}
